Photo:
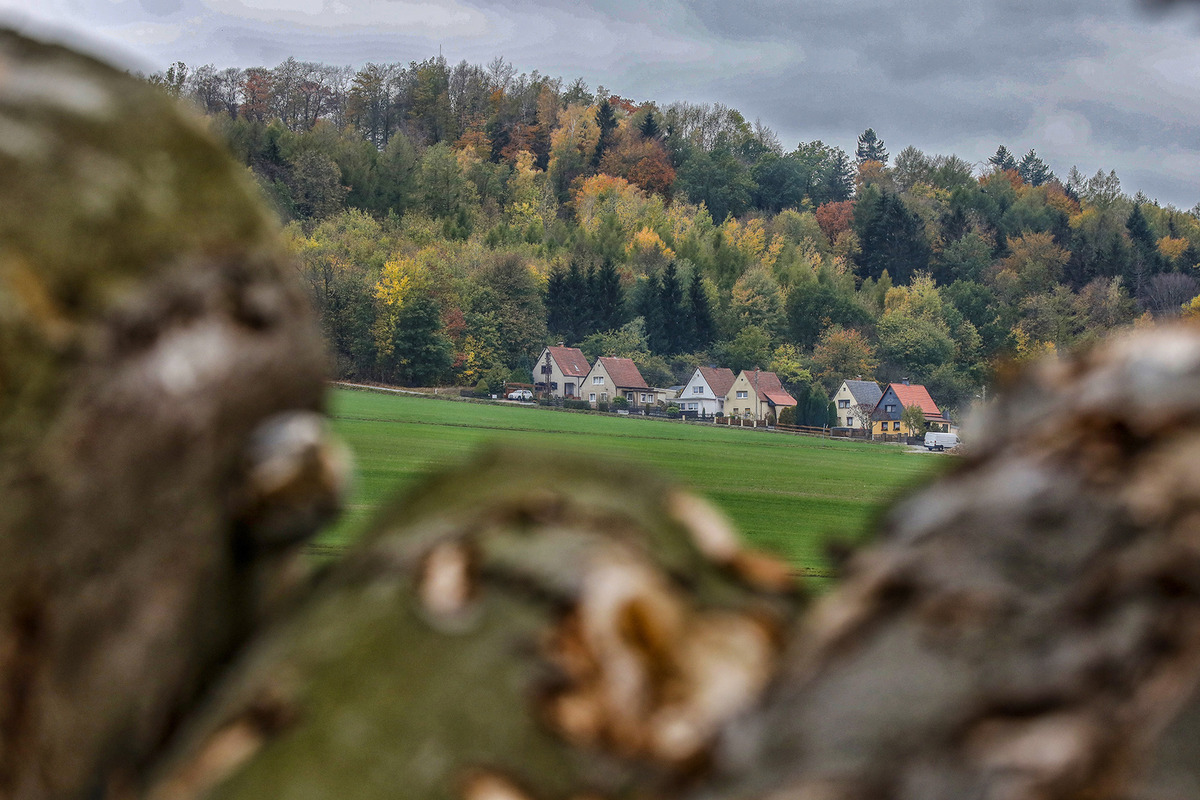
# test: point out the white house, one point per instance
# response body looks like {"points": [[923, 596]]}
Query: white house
{"points": [[705, 391], [561, 371]]}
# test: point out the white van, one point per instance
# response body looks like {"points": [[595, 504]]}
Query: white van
{"points": [[940, 441]]}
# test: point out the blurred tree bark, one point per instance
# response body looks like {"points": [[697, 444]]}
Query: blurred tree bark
{"points": [[527, 627]]}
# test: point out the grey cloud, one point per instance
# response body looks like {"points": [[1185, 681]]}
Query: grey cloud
{"points": [[162, 8], [943, 75]]}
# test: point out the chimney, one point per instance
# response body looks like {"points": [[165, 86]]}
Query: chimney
{"points": [[906, 381]]}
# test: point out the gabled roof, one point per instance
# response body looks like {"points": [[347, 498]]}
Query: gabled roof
{"points": [[866, 393], [624, 372], [719, 379], [571, 361], [915, 394], [767, 385], [779, 398]]}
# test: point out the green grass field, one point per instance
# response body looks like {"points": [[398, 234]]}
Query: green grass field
{"points": [[788, 494]]}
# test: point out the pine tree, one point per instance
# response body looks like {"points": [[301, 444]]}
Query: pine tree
{"points": [[575, 290], [891, 236], [606, 120], [1033, 170], [703, 331], [607, 298], [556, 310], [670, 295], [649, 127], [649, 308], [870, 148], [1146, 260], [836, 180], [1003, 159]]}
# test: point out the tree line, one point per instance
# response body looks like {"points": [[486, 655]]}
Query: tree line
{"points": [[451, 220]]}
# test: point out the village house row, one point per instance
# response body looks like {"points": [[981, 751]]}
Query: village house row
{"points": [[758, 395]]}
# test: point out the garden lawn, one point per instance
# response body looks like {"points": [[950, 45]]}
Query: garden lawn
{"points": [[787, 494]]}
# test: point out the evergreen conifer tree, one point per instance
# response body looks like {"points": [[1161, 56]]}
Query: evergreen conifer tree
{"points": [[1146, 260], [607, 298], [870, 148], [1003, 159], [703, 330], [649, 308], [575, 289], [649, 127], [606, 120], [891, 236], [1033, 170], [556, 310], [671, 309]]}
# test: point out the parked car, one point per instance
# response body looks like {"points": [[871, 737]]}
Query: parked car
{"points": [[940, 441], [520, 394]]}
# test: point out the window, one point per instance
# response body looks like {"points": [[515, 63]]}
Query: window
{"points": [[889, 408], [692, 406], [697, 390], [645, 398], [597, 380], [742, 395], [843, 403], [592, 397], [895, 426], [849, 422], [604, 397]]}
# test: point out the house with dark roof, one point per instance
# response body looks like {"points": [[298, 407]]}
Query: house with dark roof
{"points": [[611, 378], [705, 391], [756, 394], [899, 396], [560, 371], [851, 394]]}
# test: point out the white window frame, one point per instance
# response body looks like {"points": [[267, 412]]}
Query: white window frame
{"points": [[592, 397], [743, 395], [597, 380]]}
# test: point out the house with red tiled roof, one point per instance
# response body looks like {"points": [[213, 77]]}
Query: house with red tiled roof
{"points": [[899, 396], [560, 371], [705, 391], [756, 394], [611, 378]]}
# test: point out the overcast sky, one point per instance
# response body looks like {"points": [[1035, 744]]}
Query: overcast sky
{"points": [[1100, 84]]}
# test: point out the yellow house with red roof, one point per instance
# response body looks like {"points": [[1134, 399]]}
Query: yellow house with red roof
{"points": [[611, 378], [561, 371], [755, 394], [899, 396]]}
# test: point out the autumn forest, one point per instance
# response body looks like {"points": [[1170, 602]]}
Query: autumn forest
{"points": [[450, 220]]}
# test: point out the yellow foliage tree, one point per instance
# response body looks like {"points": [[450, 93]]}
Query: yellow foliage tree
{"points": [[1172, 247], [749, 238], [1030, 349], [1191, 309], [400, 277], [646, 246]]}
